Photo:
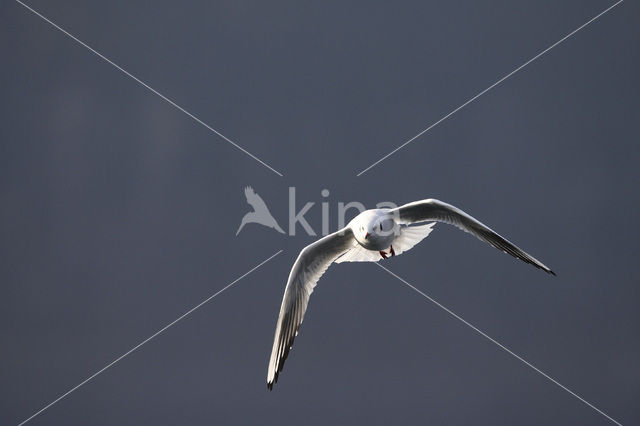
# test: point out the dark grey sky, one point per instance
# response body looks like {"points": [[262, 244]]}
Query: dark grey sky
{"points": [[118, 212]]}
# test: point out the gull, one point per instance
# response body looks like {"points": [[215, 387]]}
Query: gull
{"points": [[260, 213], [371, 236]]}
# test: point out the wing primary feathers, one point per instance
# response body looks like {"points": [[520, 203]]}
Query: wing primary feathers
{"points": [[311, 264], [435, 210]]}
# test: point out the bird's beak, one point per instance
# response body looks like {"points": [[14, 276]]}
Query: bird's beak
{"points": [[366, 236]]}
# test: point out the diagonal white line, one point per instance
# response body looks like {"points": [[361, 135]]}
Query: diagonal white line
{"points": [[500, 345], [146, 86], [147, 340], [492, 86]]}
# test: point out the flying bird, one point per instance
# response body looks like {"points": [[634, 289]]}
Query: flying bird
{"points": [[260, 213], [372, 235]]}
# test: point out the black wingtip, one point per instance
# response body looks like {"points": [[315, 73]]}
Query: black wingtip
{"points": [[270, 385], [553, 273]]}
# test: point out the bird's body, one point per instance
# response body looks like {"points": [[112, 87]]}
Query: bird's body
{"points": [[369, 237]]}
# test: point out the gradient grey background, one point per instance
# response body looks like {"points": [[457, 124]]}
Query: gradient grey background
{"points": [[118, 212]]}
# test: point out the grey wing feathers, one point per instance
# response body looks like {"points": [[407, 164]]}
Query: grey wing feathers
{"points": [[431, 209], [312, 262]]}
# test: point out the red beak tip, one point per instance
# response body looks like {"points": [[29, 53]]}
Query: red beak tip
{"points": [[366, 236]]}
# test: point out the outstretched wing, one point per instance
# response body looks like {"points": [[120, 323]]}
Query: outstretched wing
{"points": [[255, 200], [312, 262], [431, 209]]}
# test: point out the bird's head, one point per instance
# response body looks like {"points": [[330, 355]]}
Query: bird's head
{"points": [[370, 230]]}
